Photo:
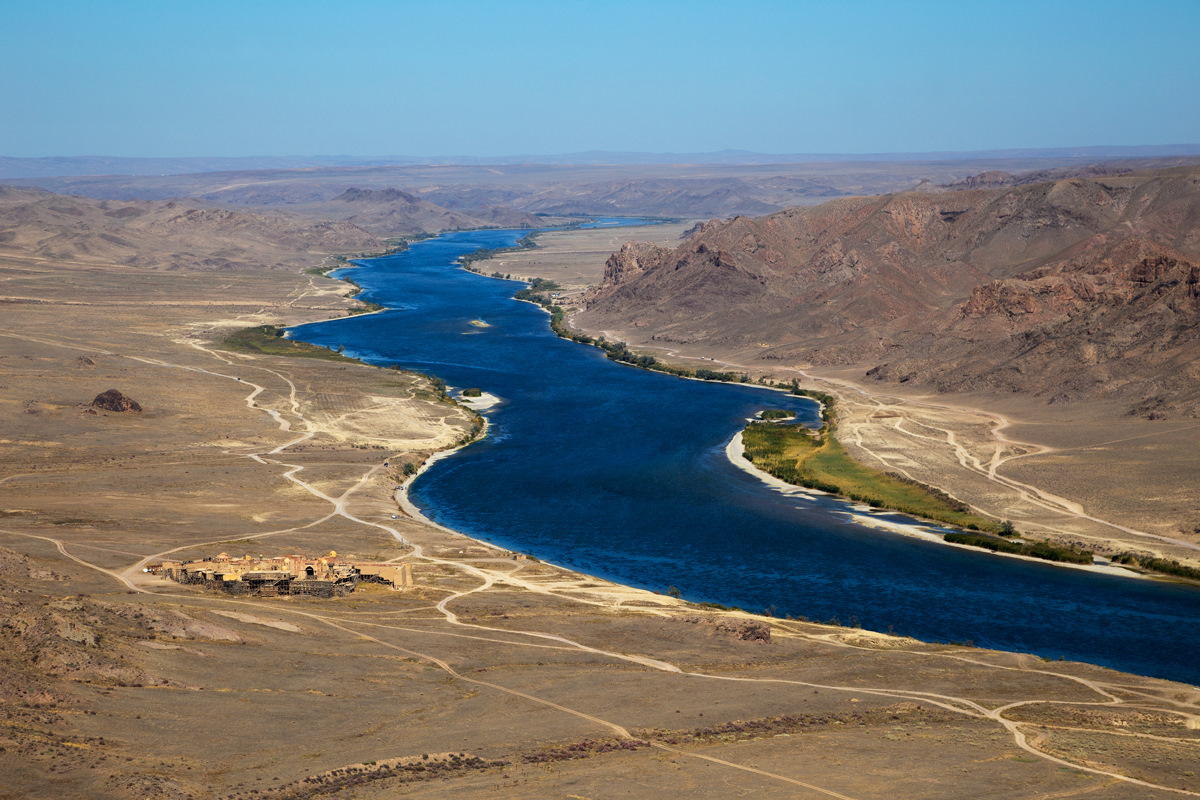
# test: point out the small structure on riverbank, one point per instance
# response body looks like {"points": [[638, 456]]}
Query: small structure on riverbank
{"points": [[294, 575]]}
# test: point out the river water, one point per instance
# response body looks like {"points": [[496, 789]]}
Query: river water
{"points": [[622, 473]]}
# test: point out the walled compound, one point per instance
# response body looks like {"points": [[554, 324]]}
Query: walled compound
{"points": [[284, 576]]}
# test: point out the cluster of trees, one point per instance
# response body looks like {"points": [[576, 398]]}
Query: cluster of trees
{"points": [[1155, 564], [269, 340], [826, 401], [619, 351], [952, 503], [767, 444], [476, 427], [526, 242], [1043, 550], [535, 292], [616, 351], [437, 384]]}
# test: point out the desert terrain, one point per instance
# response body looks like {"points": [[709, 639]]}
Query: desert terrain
{"points": [[570, 257], [496, 675]]}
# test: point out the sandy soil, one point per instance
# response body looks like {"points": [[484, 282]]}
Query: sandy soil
{"points": [[575, 259], [498, 675]]}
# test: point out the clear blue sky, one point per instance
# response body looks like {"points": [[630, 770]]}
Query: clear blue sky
{"points": [[215, 78]]}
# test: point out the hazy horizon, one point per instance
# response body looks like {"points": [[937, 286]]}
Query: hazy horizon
{"points": [[1135, 150], [31, 168]]}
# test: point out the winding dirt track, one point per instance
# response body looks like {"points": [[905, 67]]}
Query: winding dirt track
{"points": [[1035, 496], [292, 419]]}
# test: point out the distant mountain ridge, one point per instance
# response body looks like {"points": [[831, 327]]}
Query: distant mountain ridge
{"points": [[392, 211], [64, 166], [165, 236], [1065, 290]]}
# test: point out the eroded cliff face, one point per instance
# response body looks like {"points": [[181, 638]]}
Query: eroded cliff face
{"points": [[1080, 288]]}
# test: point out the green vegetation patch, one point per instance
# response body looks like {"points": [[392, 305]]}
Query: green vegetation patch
{"points": [[1163, 565], [777, 413], [472, 392], [268, 340], [324, 269], [817, 460], [533, 293], [1043, 550], [527, 242], [367, 307], [616, 351]]}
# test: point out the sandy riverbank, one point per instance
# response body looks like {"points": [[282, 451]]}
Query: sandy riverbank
{"points": [[484, 401]]}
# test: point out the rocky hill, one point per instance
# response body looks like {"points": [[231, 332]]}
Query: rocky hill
{"points": [[996, 179], [1066, 290], [164, 235]]}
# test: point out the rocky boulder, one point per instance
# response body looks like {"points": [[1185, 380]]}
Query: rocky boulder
{"points": [[112, 400], [747, 630]]}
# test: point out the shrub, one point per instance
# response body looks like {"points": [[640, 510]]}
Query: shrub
{"points": [[1043, 550]]}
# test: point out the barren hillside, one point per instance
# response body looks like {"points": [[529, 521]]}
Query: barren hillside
{"points": [[164, 235], [1073, 289], [392, 211]]}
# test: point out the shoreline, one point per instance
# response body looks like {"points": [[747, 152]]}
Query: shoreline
{"points": [[734, 452], [401, 497], [483, 402]]}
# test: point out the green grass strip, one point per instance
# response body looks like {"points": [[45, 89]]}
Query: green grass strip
{"points": [[1043, 550], [268, 340], [796, 455]]}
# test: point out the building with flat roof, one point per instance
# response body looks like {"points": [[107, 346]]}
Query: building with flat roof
{"points": [[292, 575]]}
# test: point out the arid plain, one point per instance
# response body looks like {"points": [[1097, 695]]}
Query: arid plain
{"points": [[495, 676]]}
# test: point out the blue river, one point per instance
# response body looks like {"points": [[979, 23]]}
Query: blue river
{"points": [[622, 473]]}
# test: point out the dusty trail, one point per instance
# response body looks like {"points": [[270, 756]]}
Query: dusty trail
{"points": [[487, 579], [1035, 495]]}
